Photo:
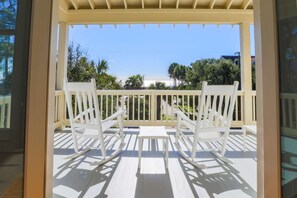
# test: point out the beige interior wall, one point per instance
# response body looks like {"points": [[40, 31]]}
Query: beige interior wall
{"points": [[268, 137]]}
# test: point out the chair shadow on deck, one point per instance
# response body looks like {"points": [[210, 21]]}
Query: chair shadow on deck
{"points": [[218, 180], [77, 178]]}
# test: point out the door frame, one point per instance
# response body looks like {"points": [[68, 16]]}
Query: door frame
{"points": [[40, 100]]}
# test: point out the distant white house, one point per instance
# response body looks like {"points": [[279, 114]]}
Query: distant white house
{"points": [[168, 82], [148, 82]]}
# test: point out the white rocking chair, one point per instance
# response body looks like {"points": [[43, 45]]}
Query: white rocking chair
{"points": [[215, 111], [88, 123]]}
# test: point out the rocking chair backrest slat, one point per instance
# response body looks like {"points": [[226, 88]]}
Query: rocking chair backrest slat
{"points": [[79, 104], [216, 106], [90, 100], [85, 100]]}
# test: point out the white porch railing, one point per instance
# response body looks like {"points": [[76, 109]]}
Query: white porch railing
{"points": [[5, 108], [150, 107]]}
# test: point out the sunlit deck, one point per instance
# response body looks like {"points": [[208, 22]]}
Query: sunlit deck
{"points": [[120, 178]]}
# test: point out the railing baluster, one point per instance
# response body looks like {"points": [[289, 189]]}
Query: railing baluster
{"points": [[128, 107], [143, 110], [236, 110], [149, 109], [101, 105], [172, 108], [133, 108], [166, 111], [188, 103], [283, 112], [112, 105], [290, 109], [138, 106]]}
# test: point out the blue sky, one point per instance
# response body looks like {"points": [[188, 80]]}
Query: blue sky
{"points": [[149, 51]]}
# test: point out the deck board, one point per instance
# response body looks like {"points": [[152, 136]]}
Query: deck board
{"points": [[121, 178]]}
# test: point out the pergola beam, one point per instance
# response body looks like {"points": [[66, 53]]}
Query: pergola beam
{"points": [[125, 4], [195, 4], [177, 4], [245, 4], [142, 4], [211, 4], [229, 3], [107, 4], [140, 16], [92, 4], [160, 4], [75, 4]]}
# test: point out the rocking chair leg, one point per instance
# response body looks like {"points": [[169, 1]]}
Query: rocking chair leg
{"points": [[224, 146], [102, 146], [121, 128], [178, 129], [75, 142], [194, 149]]}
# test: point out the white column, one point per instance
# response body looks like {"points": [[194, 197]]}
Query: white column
{"points": [[246, 71], [62, 55], [62, 71]]}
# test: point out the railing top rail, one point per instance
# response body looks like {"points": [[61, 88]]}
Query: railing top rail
{"points": [[148, 92]]}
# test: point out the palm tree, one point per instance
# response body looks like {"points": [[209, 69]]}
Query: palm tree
{"points": [[134, 82], [171, 72], [102, 66], [180, 73]]}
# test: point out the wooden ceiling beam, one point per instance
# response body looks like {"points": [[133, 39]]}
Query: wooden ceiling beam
{"points": [[125, 4], [211, 4], [74, 4], [92, 4], [195, 4], [108, 4], [245, 4], [141, 16], [177, 4], [228, 4]]}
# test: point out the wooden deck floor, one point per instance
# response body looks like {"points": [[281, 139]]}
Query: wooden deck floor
{"points": [[120, 178]]}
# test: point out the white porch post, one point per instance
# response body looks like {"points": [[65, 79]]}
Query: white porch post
{"points": [[62, 54], [62, 72], [246, 71]]}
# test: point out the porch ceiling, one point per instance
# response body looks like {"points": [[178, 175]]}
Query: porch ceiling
{"points": [[156, 11]]}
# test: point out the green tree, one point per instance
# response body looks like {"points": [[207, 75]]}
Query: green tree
{"points": [[102, 66], [172, 73], [180, 73], [6, 63], [214, 71], [158, 85], [134, 82], [80, 69], [8, 10]]}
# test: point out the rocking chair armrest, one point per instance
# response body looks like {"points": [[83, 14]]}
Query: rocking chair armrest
{"points": [[86, 126], [221, 118], [77, 117], [183, 116], [113, 116]]}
